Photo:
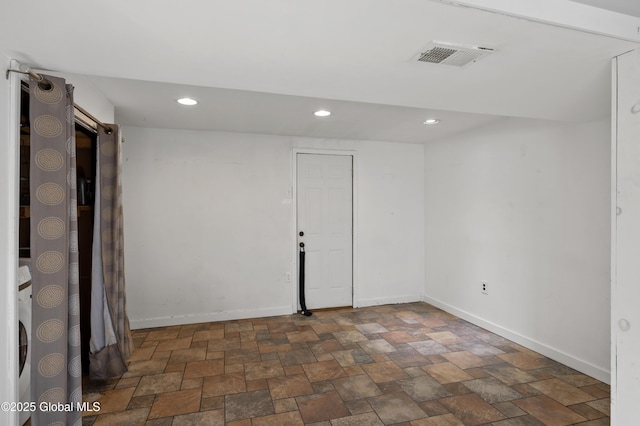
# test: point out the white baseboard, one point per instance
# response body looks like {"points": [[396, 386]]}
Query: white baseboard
{"points": [[576, 363], [361, 303], [208, 317]]}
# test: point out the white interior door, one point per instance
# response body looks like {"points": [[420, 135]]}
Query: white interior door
{"points": [[325, 217]]}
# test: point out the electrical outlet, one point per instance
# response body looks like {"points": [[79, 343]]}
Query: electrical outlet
{"points": [[287, 277], [484, 287]]}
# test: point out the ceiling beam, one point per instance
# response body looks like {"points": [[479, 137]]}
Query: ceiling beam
{"points": [[562, 13]]}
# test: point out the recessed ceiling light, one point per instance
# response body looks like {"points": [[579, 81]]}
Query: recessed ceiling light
{"points": [[187, 101], [322, 113], [431, 121]]}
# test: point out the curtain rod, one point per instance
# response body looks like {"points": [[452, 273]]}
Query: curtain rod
{"points": [[39, 78]]}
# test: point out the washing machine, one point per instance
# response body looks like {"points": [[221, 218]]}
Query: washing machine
{"points": [[24, 336]]}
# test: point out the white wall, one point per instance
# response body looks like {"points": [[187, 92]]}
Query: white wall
{"points": [[524, 205], [209, 223], [390, 223]]}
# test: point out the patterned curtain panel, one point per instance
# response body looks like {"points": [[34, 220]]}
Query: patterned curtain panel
{"points": [[109, 361], [56, 376]]}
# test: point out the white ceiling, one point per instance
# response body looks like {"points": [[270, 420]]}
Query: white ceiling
{"points": [[265, 66], [151, 104]]}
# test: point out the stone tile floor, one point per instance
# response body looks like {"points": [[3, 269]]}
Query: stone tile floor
{"points": [[407, 364]]}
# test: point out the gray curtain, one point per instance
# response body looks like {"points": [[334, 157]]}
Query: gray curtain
{"points": [[56, 375], [114, 345]]}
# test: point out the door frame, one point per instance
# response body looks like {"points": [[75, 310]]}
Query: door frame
{"points": [[9, 263], [354, 221]]}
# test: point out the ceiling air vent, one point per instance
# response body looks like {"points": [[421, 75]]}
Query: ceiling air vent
{"points": [[452, 54]]}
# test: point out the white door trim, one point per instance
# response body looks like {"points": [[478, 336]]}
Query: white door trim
{"points": [[613, 381], [294, 233], [9, 233]]}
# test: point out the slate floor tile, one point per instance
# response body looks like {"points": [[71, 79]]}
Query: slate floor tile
{"points": [[471, 409], [408, 364], [396, 408], [322, 407], [356, 387], [248, 405]]}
